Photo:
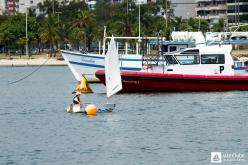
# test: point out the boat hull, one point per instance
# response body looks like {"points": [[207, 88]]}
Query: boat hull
{"points": [[88, 64], [156, 82], [107, 107]]}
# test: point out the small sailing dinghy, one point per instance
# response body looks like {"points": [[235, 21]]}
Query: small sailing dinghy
{"points": [[112, 80], [107, 107]]}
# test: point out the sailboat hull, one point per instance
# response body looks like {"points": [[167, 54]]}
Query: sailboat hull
{"points": [[107, 107], [159, 82]]}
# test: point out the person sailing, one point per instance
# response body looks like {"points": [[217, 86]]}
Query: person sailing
{"points": [[76, 99], [76, 103]]}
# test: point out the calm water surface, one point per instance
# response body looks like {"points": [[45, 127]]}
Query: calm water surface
{"points": [[154, 128]]}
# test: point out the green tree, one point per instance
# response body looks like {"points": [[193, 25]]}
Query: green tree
{"points": [[219, 26], [49, 33], [5, 39], [48, 7], [76, 36], [21, 43], [85, 21]]}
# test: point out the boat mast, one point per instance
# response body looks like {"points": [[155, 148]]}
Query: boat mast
{"points": [[104, 40]]}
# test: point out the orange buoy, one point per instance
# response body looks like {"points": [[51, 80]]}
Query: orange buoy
{"points": [[91, 110]]}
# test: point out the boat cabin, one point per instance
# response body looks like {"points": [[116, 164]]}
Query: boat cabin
{"points": [[200, 60]]}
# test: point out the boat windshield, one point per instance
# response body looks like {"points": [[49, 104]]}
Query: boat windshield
{"points": [[170, 59], [188, 59], [213, 59]]}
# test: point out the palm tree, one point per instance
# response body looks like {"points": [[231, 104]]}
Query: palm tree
{"points": [[76, 35], [177, 22], [49, 33], [219, 26], [5, 38], [21, 42], [85, 20]]}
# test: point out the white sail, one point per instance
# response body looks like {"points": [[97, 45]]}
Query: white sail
{"points": [[112, 70]]}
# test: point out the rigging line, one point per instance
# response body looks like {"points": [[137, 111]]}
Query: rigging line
{"points": [[23, 78]]}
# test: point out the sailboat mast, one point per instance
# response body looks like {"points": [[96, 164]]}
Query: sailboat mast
{"points": [[104, 41]]}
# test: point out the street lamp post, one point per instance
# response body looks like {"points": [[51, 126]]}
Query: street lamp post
{"points": [[139, 21], [27, 54], [26, 8], [53, 7], [139, 2]]}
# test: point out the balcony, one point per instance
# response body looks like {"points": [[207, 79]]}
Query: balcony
{"points": [[214, 16], [204, 8], [240, 13], [240, 4], [208, 8], [218, 7]]}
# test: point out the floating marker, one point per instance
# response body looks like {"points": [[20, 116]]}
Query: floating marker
{"points": [[91, 110]]}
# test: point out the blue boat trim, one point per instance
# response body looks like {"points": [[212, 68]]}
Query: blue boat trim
{"points": [[86, 64], [101, 66], [82, 55], [89, 56], [131, 59], [239, 68], [128, 68]]}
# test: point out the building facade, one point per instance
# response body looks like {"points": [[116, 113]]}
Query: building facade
{"points": [[211, 10], [24, 4], [237, 11], [184, 8], [11, 7]]}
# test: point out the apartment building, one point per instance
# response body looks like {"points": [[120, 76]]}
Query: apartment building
{"points": [[184, 8], [2, 7], [237, 11], [11, 7], [22, 5], [211, 10]]}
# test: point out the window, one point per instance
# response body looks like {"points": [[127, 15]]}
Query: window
{"points": [[192, 51], [188, 59], [170, 59], [213, 59], [172, 48]]}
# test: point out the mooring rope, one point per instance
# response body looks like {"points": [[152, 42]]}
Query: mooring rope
{"points": [[23, 78]]}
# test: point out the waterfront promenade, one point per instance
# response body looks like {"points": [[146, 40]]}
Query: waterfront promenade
{"points": [[34, 60], [43, 59]]}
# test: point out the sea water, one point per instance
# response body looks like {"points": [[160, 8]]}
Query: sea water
{"points": [[146, 128]]}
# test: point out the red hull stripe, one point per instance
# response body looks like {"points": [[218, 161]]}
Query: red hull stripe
{"points": [[154, 82], [177, 76]]}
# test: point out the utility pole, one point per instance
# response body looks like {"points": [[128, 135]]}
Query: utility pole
{"points": [[238, 11], [199, 25], [139, 21], [166, 14], [235, 18], [53, 7], [27, 32]]}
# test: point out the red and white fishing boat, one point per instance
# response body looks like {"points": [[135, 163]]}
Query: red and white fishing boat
{"points": [[203, 68]]}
